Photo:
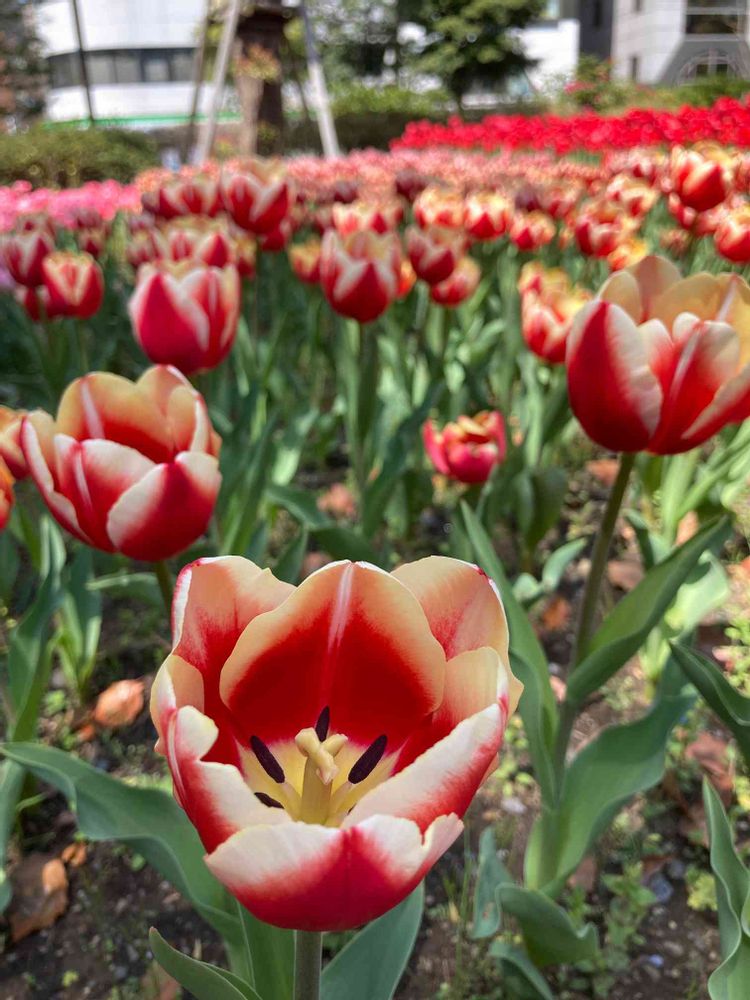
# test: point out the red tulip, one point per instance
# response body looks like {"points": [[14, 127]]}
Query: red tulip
{"points": [[127, 467], [146, 246], [10, 441], [549, 304], [360, 273], [24, 254], [469, 449], [661, 363], [305, 260], [74, 284], [701, 177], [326, 739], [186, 314], [380, 216], [435, 251], [7, 497], [187, 196], [732, 236], [437, 206], [459, 286], [245, 253], [258, 197], [409, 183], [487, 215]]}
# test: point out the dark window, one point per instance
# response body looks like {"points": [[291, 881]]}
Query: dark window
{"points": [[156, 66], [597, 14], [715, 24], [127, 67], [634, 67], [637, 6], [182, 65], [65, 70], [101, 68]]}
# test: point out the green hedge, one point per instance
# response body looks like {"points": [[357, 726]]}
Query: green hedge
{"points": [[68, 157]]}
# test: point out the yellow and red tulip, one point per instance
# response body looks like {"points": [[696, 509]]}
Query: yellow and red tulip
{"points": [[126, 466], [658, 362], [326, 740], [7, 497], [459, 285], [701, 177], [257, 195], [24, 254], [549, 304], [434, 252], [531, 230], [304, 259], [185, 314], [487, 215]]}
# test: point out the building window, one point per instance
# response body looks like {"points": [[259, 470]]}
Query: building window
{"points": [[708, 63], [634, 67], [637, 6], [597, 16], [122, 67]]}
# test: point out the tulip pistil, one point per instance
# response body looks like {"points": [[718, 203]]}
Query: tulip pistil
{"points": [[320, 771]]}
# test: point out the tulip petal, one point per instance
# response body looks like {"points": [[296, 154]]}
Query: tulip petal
{"points": [[444, 777], [351, 638], [214, 795], [311, 877], [613, 392], [37, 441], [462, 604], [730, 406], [144, 523]]}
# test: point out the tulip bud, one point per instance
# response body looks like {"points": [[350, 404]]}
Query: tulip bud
{"points": [[435, 251], [469, 449], [487, 215], [74, 284], [305, 261], [437, 206], [24, 254], [360, 273], [258, 197], [459, 286], [732, 236], [532, 230], [127, 467], [701, 177], [549, 305], [186, 314], [378, 216]]}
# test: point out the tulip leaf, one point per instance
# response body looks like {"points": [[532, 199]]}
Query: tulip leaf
{"points": [[631, 620], [11, 784], [731, 707], [289, 564], [729, 981], [371, 965], [137, 586], [491, 873], [205, 982], [270, 951], [519, 972], [622, 761], [528, 661], [548, 932], [146, 818]]}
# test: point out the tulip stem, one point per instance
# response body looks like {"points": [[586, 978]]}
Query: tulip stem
{"points": [[308, 956], [83, 354], [592, 590], [164, 579]]}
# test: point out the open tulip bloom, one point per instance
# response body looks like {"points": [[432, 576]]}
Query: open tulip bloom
{"points": [[326, 740], [658, 362]]}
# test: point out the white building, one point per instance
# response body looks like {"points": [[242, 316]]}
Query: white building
{"points": [[553, 43], [139, 55], [668, 41]]}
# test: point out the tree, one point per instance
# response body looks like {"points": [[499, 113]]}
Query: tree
{"points": [[470, 42], [23, 73]]}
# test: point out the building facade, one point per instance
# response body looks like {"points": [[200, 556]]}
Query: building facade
{"points": [[139, 56], [668, 41]]}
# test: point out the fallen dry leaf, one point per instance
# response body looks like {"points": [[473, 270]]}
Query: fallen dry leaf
{"points": [[119, 705], [710, 753], [75, 854], [624, 574], [86, 733], [40, 894], [604, 469], [585, 875], [556, 614]]}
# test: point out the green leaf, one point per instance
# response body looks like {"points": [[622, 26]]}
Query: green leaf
{"points": [[301, 504], [626, 627], [147, 819], [731, 707], [559, 560], [289, 563], [271, 952], [137, 586], [11, 784], [546, 492], [491, 873], [548, 932], [519, 973], [205, 982], [730, 980], [619, 763], [371, 965], [343, 543], [528, 661]]}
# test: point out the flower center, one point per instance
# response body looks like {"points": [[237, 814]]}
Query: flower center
{"points": [[320, 793]]}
